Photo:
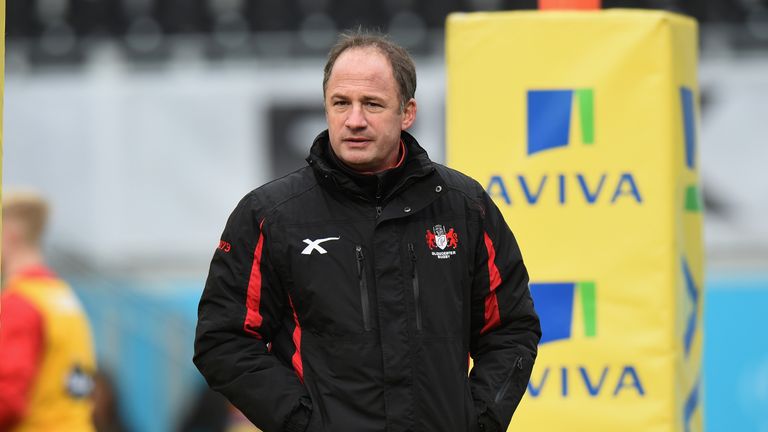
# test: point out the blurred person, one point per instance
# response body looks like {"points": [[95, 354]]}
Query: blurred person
{"points": [[212, 412], [106, 407], [46, 353], [208, 413], [349, 295]]}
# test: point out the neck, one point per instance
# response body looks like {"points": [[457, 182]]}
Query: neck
{"points": [[16, 263]]}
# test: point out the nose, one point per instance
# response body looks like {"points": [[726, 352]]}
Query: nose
{"points": [[356, 118]]}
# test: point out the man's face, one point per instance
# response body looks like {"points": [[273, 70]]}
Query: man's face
{"points": [[362, 107], [11, 237]]}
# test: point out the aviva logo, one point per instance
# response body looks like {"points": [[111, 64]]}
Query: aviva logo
{"points": [[692, 195], [550, 118], [555, 303], [552, 124], [567, 311]]}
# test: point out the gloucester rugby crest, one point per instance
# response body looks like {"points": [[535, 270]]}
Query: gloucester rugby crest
{"points": [[438, 240]]}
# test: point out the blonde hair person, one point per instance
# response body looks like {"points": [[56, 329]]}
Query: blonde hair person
{"points": [[47, 361]]}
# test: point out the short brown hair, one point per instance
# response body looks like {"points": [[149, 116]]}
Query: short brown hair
{"points": [[30, 208], [403, 68]]}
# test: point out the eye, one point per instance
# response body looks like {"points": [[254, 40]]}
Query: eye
{"points": [[340, 103]]}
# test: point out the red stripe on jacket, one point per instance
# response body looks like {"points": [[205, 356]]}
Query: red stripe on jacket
{"points": [[253, 318], [298, 366], [492, 318]]}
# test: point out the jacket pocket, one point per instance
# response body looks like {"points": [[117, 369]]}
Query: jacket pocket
{"points": [[415, 286], [363, 283], [504, 388]]}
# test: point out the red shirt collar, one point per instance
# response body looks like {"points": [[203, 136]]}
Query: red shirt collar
{"points": [[402, 155], [39, 271]]}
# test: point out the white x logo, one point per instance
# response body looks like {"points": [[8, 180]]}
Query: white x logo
{"points": [[313, 245]]}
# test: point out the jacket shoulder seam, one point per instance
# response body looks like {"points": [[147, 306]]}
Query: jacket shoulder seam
{"points": [[469, 182], [272, 207]]}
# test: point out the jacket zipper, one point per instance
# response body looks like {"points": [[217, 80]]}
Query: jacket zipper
{"points": [[415, 284], [363, 287], [504, 387], [378, 199]]}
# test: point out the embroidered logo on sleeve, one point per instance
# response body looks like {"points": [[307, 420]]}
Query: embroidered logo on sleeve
{"points": [[439, 239], [224, 246]]}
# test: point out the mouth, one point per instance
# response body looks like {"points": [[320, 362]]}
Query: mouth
{"points": [[357, 140]]}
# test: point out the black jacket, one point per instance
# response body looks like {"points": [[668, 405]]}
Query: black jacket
{"points": [[352, 303]]}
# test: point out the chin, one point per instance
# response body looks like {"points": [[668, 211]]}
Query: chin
{"points": [[355, 159]]}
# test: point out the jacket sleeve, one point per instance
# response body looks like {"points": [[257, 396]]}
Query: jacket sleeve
{"points": [[21, 345], [505, 329], [240, 312]]}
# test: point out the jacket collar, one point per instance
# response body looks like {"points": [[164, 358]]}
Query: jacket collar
{"points": [[370, 187]]}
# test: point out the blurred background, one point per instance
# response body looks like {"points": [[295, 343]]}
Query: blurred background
{"points": [[145, 121]]}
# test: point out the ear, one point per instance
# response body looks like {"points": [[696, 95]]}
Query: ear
{"points": [[409, 114], [12, 233]]}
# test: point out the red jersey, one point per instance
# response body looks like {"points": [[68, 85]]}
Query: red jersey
{"points": [[46, 356]]}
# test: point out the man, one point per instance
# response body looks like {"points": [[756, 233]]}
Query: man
{"points": [[349, 295], [46, 353]]}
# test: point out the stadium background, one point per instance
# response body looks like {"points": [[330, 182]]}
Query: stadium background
{"points": [[144, 121]]}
